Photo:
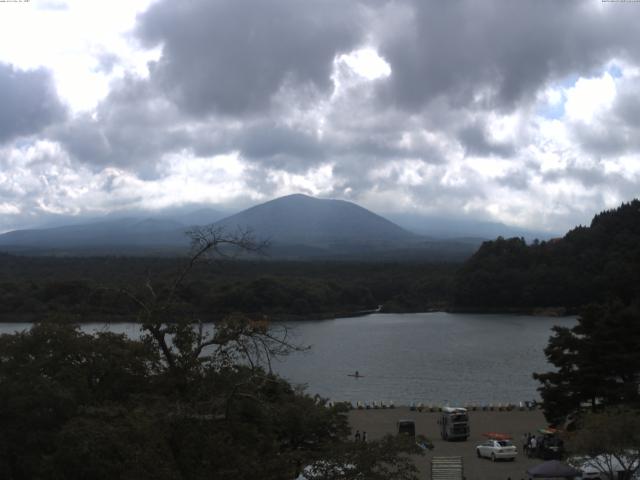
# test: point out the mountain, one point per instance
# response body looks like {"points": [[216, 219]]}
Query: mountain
{"points": [[186, 216], [589, 264], [302, 220], [124, 232], [296, 226]]}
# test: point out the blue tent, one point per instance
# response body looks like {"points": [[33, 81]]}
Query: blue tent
{"points": [[553, 469]]}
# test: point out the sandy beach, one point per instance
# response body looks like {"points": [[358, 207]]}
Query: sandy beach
{"points": [[382, 421]]}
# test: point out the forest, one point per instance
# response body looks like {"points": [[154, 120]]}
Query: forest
{"points": [[82, 287], [594, 263]]}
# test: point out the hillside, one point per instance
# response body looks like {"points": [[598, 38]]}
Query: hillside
{"points": [[589, 264], [126, 232], [303, 220], [296, 226]]}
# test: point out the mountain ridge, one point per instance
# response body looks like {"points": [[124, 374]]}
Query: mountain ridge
{"points": [[298, 227], [301, 219]]}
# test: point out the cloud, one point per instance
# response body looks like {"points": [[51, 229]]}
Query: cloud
{"points": [[496, 54], [132, 129], [607, 123], [234, 57], [29, 102], [476, 142], [522, 112], [52, 5]]}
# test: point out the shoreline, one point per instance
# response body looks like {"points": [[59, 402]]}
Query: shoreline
{"points": [[72, 318], [378, 422]]}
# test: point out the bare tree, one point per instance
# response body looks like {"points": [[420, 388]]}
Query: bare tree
{"points": [[608, 442], [184, 344]]}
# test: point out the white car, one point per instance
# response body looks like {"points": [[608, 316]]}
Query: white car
{"points": [[497, 450]]}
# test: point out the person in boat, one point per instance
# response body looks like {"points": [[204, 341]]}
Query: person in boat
{"points": [[357, 374]]}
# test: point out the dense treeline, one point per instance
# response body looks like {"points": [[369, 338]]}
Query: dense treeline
{"points": [[590, 264], [35, 287]]}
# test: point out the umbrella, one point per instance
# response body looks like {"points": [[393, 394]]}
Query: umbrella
{"points": [[553, 469]]}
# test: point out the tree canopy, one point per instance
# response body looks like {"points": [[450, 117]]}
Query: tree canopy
{"points": [[608, 442], [597, 362], [597, 263]]}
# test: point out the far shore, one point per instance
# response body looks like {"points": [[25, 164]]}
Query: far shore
{"points": [[282, 317]]}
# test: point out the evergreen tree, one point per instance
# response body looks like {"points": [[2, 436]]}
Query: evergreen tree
{"points": [[597, 361]]}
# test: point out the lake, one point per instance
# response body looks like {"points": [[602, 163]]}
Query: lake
{"points": [[434, 358]]}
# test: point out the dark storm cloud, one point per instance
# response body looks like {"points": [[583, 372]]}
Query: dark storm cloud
{"points": [[497, 54], [28, 102], [232, 57]]}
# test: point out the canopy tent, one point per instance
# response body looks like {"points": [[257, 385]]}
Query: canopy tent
{"points": [[498, 436], [553, 469]]}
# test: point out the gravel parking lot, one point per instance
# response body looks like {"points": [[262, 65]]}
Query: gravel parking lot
{"points": [[382, 421]]}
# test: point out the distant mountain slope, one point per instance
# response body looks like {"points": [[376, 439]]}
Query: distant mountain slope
{"points": [[303, 220], [297, 227], [589, 264], [120, 232], [444, 227]]}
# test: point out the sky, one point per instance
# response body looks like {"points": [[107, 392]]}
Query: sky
{"points": [[526, 113]]}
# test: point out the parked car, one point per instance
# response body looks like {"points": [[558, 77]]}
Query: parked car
{"points": [[406, 427], [549, 445], [497, 450]]}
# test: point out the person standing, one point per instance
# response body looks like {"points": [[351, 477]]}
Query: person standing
{"points": [[357, 435], [533, 446], [364, 437]]}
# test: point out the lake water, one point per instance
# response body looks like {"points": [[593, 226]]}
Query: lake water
{"points": [[434, 358]]}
